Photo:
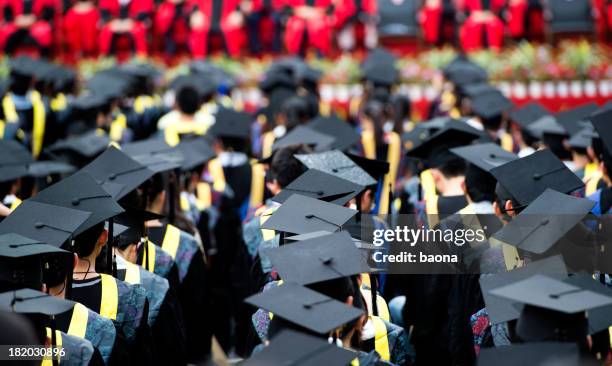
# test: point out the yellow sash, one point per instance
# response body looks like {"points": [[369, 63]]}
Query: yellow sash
{"points": [[383, 308], [369, 144], [203, 195], [132, 274], [592, 175], [78, 321], [266, 146], [48, 361], [511, 256], [143, 102], [507, 143], [2, 124], [117, 127], [171, 240], [15, 204], [150, 264], [258, 176], [110, 297], [324, 108], [265, 233], [381, 341], [216, 172], [59, 103], [354, 106], [8, 107], [173, 132], [393, 158], [38, 128], [428, 185], [184, 202]]}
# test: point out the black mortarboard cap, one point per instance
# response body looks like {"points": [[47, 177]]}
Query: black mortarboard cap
{"points": [[41, 169], [81, 192], [79, 150], [462, 72], [583, 138], [294, 348], [377, 169], [304, 135], [155, 154], [305, 307], [27, 301], [550, 293], [381, 74], [337, 163], [546, 125], [474, 90], [300, 214], [22, 260], [435, 150], [48, 223], [14, 160], [570, 118], [490, 104], [195, 152], [322, 186], [321, 259], [276, 80], [526, 178], [599, 318], [345, 135], [501, 309], [529, 113], [114, 166], [546, 220], [485, 156], [230, 123]]}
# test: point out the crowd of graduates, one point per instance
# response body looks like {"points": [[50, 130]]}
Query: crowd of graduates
{"points": [[153, 222], [79, 29]]}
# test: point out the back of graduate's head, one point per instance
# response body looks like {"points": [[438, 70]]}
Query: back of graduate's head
{"points": [[188, 100], [479, 185], [505, 205], [90, 241], [284, 167], [296, 111], [452, 168], [556, 144]]}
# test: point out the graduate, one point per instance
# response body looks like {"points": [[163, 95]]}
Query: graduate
{"points": [[172, 26], [27, 26], [26, 114], [222, 18], [41, 260], [602, 195], [125, 27], [80, 29]]}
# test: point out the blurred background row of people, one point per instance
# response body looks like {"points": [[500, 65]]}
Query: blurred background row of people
{"points": [[75, 29]]}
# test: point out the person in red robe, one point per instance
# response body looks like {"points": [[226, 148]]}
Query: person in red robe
{"points": [[80, 30], [349, 14], [483, 27], [126, 25], [516, 13], [171, 26], [27, 25], [310, 20], [223, 18], [432, 17], [265, 23]]}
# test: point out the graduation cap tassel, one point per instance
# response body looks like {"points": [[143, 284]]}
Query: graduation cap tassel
{"points": [[171, 199], [109, 249], [374, 290]]}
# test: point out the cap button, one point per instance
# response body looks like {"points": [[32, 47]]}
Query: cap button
{"points": [[492, 156], [544, 222], [38, 225], [76, 201], [309, 216], [334, 170], [320, 193], [327, 260], [537, 176], [112, 177]]}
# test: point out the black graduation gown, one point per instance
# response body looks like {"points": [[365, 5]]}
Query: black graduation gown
{"points": [[231, 265], [194, 299]]}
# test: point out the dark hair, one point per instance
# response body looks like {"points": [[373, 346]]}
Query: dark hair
{"points": [[297, 111], [285, 168], [555, 144], [188, 100], [375, 110], [5, 188], [492, 123], [452, 168], [85, 242], [401, 109], [479, 184]]}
